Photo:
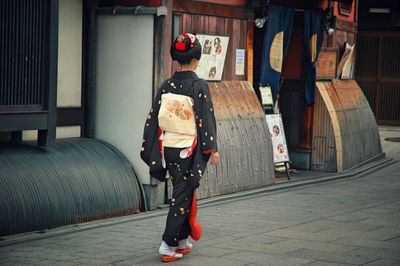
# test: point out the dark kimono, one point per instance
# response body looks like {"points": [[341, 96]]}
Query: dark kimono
{"points": [[185, 173]]}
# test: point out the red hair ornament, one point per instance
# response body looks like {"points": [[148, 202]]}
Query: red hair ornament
{"points": [[180, 44]]}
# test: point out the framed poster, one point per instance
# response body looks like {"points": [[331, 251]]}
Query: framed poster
{"points": [[213, 56], [345, 8], [240, 60], [278, 139]]}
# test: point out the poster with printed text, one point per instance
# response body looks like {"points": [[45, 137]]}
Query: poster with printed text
{"points": [[240, 59], [212, 56], [278, 139]]}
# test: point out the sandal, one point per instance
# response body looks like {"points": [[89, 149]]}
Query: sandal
{"points": [[170, 258], [183, 251]]}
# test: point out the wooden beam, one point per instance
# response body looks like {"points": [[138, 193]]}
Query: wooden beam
{"points": [[159, 46], [249, 51], [388, 122], [323, 90], [168, 26], [23, 121], [345, 25], [210, 9], [48, 136]]}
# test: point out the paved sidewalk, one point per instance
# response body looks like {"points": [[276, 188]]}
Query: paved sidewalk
{"points": [[354, 221], [392, 149]]}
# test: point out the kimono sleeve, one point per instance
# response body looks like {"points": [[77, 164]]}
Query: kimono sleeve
{"points": [[206, 124], [150, 151]]}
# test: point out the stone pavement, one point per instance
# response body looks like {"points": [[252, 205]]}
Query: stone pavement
{"points": [[392, 149], [354, 221]]}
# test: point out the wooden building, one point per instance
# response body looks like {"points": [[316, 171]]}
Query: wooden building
{"points": [[240, 118], [378, 58], [78, 78], [331, 134]]}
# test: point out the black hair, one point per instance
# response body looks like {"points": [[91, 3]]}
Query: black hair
{"points": [[187, 51]]}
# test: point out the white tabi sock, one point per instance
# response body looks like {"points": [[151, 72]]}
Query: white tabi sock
{"points": [[184, 243], [167, 250]]}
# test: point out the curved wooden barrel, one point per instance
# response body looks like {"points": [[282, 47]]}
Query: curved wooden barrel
{"points": [[76, 180], [345, 132], [243, 141]]}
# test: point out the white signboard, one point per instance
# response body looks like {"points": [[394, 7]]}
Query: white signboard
{"points": [[212, 56], [240, 57], [277, 136], [266, 95]]}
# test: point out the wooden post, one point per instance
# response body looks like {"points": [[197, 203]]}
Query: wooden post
{"points": [[249, 50], [48, 136], [308, 124]]}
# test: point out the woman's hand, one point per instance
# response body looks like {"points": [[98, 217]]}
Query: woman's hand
{"points": [[215, 158]]}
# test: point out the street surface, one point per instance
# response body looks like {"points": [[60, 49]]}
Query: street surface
{"points": [[353, 221]]}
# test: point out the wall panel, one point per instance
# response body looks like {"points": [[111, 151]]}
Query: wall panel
{"points": [[243, 142], [346, 116], [24, 54], [235, 29], [378, 72], [69, 85], [124, 84]]}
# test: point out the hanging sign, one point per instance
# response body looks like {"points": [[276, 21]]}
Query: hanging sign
{"points": [[240, 56], [278, 139], [266, 95], [213, 56]]}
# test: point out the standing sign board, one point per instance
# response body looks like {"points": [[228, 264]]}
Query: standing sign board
{"points": [[266, 95], [212, 56], [278, 139]]}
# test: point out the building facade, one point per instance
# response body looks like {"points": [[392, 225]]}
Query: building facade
{"points": [[79, 76]]}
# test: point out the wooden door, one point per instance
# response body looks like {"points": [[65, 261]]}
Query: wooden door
{"points": [[378, 73]]}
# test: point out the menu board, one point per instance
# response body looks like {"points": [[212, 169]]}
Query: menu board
{"points": [[213, 56], [278, 139]]}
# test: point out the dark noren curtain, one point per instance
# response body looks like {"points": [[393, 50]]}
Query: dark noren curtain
{"points": [[313, 33], [276, 39]]}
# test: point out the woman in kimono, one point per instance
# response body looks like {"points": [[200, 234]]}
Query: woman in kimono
{"points": [[180, 136]]}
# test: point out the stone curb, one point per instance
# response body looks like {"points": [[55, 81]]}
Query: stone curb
{"points": [[367, 169], [42, 234]]}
